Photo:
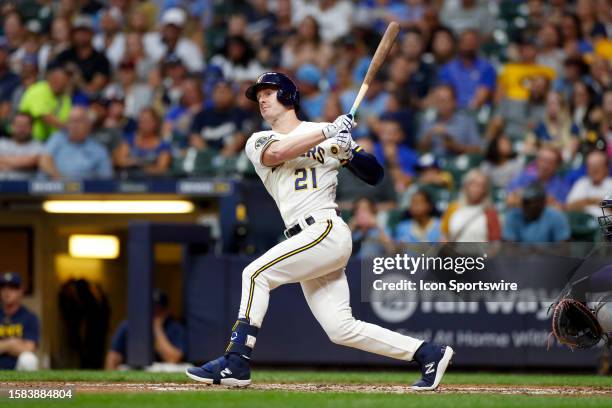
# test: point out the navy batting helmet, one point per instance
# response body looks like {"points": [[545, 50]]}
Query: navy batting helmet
{"points": [[287, 94], [605, 220]]}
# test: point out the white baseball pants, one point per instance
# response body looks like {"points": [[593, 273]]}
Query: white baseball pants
{"points": [[316, 258]]}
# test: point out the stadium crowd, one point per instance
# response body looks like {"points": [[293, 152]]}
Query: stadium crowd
{"points": [[493, 119]]}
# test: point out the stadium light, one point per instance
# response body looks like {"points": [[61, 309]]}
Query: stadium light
{"points": [[118, 206], [93, 246]]}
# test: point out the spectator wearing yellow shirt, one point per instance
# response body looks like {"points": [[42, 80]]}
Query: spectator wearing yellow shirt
{"points": [[48, 102], [515, 80]]}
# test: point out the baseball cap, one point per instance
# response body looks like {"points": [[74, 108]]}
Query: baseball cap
{"points": [[10, 278], [83, 23], [174, 16], [308, 73], [427, 161]]}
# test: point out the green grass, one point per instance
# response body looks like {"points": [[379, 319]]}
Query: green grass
{"points": [[324, 376], [268, 399]]}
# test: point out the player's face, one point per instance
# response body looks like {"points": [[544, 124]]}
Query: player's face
{"points": [[269, 106]]}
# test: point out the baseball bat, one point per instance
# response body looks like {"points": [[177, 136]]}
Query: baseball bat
{"points": [[382, 51]]}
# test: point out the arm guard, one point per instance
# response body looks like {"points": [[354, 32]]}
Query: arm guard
{"points": [[365, 166]]}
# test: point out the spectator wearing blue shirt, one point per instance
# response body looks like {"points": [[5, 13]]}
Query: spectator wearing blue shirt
{"points": [[422, 223], [534, 221], [9, 81], [544, 171], [450, 132], [312, 98], [169, 338], [178, 119], [144, 153], [471, 75], [369, 238], [73, 154], [19, 328], [391, 153]]}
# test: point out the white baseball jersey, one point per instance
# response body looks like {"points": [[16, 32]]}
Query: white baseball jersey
{"points": [[302, 185]]}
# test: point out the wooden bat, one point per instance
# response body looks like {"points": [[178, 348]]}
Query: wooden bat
{"points": [[382, 51]]}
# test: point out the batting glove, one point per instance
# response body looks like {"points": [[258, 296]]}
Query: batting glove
{"points": [[341, 122], [345, 143]]}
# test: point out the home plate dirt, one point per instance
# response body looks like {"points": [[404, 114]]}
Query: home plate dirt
{"points": [[96, 387]]}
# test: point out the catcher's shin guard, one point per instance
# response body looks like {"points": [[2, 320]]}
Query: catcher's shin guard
{"points": [[231, 369]]}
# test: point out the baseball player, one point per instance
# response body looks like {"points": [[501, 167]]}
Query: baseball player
{"points": [[298, 163]]}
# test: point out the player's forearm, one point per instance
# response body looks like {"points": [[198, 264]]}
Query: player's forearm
{"points": [[291, 147], [366, 167]]}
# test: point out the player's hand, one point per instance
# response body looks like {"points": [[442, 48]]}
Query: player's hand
{"points": [[342, 122], [345, 143]]}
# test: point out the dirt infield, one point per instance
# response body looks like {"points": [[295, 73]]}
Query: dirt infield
{"points": [[110, 387]]}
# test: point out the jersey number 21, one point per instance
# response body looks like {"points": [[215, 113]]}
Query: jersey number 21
{"points": [[301, 181]]}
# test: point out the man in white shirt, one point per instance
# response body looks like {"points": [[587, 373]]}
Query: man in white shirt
{"points": [[589, 190]]}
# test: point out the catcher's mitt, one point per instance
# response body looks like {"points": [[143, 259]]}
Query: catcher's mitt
{"points": [[575, 325]]}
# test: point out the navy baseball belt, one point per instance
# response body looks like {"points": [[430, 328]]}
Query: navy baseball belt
{"points": [[320, 214]]}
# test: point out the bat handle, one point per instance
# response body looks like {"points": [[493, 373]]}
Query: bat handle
{"points": [[353, 111]]}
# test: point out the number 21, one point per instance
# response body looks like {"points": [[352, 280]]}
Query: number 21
{"points": [[301, 182]]}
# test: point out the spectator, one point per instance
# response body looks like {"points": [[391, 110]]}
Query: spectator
{"points": [[9, 82], [137, 94], [431, 174], [472, 76], [135, 52], [222, 127], [422, 75], [550, 53], [19, 155], [73, 154], [472, 218], [582, 106], [369, 239], [544, 170], [111, 41], [461, 15], [277, 35], [589, 24], [575, 70], [144, 153], [93, 67], [170, 40], [238, 61], [306, 47], [396, 157], [333, 16], [59, 41], [48, 102], [19, 328], [573, 37], [557, 127], [534, 221], [108, 136], [450, 132], [312, 100], [501, 163], [442, 47], [589, 190], [169, 342], [28, 77], [178, 119], [168, 91], [14, 30], [422, 223]]}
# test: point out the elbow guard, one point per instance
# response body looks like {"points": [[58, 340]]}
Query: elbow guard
{"points": [[365, 166]]}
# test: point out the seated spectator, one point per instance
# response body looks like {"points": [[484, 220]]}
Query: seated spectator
{"points": [[110, 136], [111, 41], [543, 170], [144, 152], [178, 119], [169, 337], [92, 67], [73, 154], [461, 15], [450, 132], [557, 127], [170, 40], [442, 46], [312, 100], [19, 328], [136, 94], [305, 46], [19, 155], [59, 41], [48, 103], [583, 106], [422, 74], [501, 164], [369, 239], [135, 52], [472, 218], [278, 34], [472, 77], [238, 61], [9, 82], [589, 190], [223, 126], [28, 77], [391, 153], [333, 16], [534, 221], [550, 53], [374, 102], [422, 223]]}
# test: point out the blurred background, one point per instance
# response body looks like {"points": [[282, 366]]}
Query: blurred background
{"points": [[122, 170]]}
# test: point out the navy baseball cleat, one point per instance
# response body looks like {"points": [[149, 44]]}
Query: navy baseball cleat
{"points": [[434, 359], [231, 370]]}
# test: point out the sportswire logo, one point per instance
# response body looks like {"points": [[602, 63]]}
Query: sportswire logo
{"points": [[412, 264]]}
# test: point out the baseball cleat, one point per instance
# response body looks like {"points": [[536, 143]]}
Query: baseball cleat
{"points": [[434, 360], [230, 370]]}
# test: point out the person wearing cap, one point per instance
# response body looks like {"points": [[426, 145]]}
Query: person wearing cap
{"points": [[93, 66], [19, 327], [48, 102], [170, 40], [312, 98], [169, 338], [534, 221]]}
